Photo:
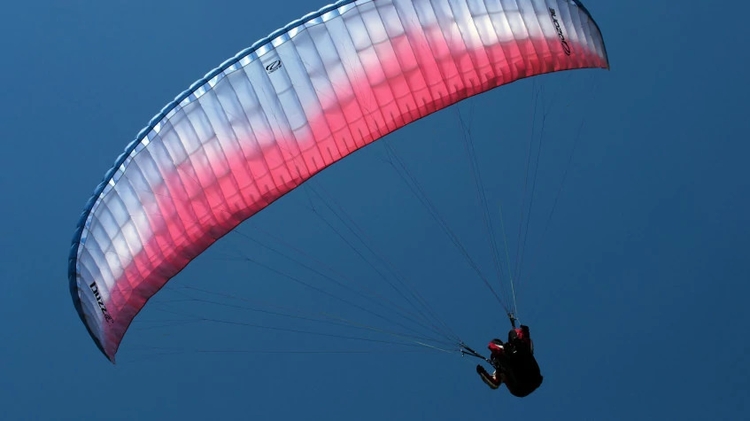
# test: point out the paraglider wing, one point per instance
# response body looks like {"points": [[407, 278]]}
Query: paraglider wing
{"points": [[286, 108]]}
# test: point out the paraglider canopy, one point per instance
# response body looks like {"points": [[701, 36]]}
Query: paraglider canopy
{"points": [[286, 108]]}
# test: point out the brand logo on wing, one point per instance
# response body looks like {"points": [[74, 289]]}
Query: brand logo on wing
{"points": [[100, 301], [558, 28], [273, 66]]}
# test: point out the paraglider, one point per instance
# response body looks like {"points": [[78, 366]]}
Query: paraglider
{"points": [[281, 111], [514, 364]]}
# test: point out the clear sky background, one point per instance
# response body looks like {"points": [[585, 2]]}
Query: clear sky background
{"points": [[635, 287]]}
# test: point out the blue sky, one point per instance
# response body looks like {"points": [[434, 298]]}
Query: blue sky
{"points": [[634, 290]]}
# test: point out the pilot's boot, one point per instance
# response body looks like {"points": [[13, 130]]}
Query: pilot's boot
{"points": [[491, 380]]}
